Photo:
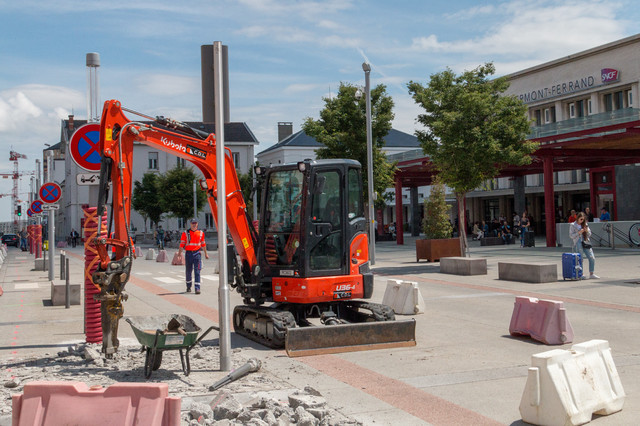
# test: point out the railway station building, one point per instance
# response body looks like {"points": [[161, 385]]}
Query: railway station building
{"points": [[585, 114]]}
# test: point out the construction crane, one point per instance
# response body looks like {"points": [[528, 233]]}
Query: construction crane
{"points": [[14, 156]]}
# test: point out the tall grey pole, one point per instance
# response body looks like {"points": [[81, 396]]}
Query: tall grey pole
{"points": [[52, 222], [195, 200], [223, 289], [372, 229]]}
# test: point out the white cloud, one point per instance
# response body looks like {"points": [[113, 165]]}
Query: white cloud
{"points": [[537, 30]]}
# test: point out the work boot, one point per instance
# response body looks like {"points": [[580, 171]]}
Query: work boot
{"points": [[197, 291], [188, 289]]}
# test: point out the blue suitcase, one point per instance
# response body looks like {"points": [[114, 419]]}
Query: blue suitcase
{"points": [[571, 266]]}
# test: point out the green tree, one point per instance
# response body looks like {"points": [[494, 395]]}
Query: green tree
{"points": [[343, 132], [436, 224], [246, 185], [146, 200], [472, 129], [176, 192]]}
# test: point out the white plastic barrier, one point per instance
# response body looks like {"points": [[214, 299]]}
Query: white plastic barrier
{"points": [[403, 297], [567, 387], [151, 254]]}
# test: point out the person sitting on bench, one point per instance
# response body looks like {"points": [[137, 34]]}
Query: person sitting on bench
{"points": [[505, 232]]}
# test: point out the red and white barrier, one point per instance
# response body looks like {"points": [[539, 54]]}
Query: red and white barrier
{"points": [[162, 256], [73, 403], [178, 259], [568, 387], [543, 320]]}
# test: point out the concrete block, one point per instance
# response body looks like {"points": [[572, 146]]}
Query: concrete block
{"points": [[162, 256], [543, 320], [151, 254], [74, 403], [533, 272], [178, 260], [463, 266], [404, 297], [58, 293], [568, 387], [491, 241], [41, 265]]}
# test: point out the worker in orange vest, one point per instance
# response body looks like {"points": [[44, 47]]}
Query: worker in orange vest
{"points": [[192, 241]]}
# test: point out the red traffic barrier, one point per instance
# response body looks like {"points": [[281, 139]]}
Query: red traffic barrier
{"points": [[74, 403], [543, 320]]}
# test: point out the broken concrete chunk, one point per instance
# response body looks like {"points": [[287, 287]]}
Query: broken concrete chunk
{"points": [[225, 406], [306, 401], [312, 391], [198, 409], [12, 384], [91, 354], [304, 418]]}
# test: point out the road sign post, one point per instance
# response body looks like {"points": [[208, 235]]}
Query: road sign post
{"points": [[84, 147]]}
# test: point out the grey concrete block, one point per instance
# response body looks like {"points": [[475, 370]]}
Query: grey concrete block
{"points": [[41, 264], [58, 293], [463, 266], [528, 272]]}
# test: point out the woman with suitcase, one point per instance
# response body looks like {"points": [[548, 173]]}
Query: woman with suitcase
{"points": [[580, 234]]}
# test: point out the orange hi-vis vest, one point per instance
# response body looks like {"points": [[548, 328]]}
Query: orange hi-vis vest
{"points": [[192, 241]]}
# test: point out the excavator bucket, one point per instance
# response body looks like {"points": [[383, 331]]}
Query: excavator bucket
{"points": [[331, 339]]}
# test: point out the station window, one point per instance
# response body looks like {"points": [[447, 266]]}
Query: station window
{"points": [[618, 99], [236, 159], [608, 102], [538, 117], [589, 108], [153, 161], [547, 116], [629, 98], [572, 110]]}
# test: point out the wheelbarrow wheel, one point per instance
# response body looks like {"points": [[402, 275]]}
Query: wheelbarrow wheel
{"points": [[152, 362]]}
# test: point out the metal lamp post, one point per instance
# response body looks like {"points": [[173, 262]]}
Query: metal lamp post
{"points": [[372, 230]]}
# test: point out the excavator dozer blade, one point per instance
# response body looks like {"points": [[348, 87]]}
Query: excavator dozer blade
{"points": [[331, 339]]}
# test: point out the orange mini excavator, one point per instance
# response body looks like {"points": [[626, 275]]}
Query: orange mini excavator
{"points": [[309, 259]]}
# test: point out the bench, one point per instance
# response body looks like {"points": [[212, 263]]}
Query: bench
{"points": [[491, 241], [463, 266], [528, 272]]}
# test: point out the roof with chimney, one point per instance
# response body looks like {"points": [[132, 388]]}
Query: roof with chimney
{"points": [[234, 132], [393, 139]]}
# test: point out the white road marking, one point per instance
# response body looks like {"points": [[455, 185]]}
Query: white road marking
{"points": [[26, 286], [167, 280]]}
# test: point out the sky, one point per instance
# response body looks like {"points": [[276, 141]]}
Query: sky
{"points": [[285, 56]]}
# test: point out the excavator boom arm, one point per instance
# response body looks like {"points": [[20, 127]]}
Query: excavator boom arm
{"points": [[117, 137]]}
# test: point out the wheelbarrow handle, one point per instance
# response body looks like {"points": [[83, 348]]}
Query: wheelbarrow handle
{"points": [[155, 341], [213, 327]]}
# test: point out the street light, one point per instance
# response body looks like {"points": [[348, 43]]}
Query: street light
{"points": [[372, 231]]}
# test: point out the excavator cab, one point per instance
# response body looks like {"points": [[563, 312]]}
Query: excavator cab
{"points": [[312, 222]]}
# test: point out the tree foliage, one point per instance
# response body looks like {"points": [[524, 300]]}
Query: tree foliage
{"points": [[472, 129], [436, 224], [176, 192], [145, 198], [342, 130]]}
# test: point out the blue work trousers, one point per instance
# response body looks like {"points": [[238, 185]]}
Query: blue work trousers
{"points": [[193, 260]]}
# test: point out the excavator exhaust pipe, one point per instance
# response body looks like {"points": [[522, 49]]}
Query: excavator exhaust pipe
{"points": [[332, 339]]}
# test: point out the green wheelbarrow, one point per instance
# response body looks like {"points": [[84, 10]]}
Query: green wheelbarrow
{"points": [[161, 333]]}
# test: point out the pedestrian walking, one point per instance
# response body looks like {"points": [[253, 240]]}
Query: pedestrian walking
{"points": [[580, 234], [192, 241]]}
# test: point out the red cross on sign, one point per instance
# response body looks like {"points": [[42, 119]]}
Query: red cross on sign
{"points": [[50, 192], [84, 147]]}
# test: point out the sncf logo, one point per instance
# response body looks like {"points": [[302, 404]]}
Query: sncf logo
{"points": [[609, 75]]}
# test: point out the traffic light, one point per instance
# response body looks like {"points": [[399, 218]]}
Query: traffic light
{"points": [[19, 210]]}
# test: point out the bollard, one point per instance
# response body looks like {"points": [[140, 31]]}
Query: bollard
{"points": [[67, 303], [62, 257]]}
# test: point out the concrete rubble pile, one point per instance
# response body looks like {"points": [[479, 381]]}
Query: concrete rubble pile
{"points": [[260, 398]]}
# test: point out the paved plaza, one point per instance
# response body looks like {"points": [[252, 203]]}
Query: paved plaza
{"points": [[465, 368]]}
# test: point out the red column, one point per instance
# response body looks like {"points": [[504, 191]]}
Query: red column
{"points": [[399, 223], [549, 202], [37, 235]]}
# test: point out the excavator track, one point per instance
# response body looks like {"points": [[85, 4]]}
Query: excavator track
{"points": [[364, 326], [266, 326]]}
